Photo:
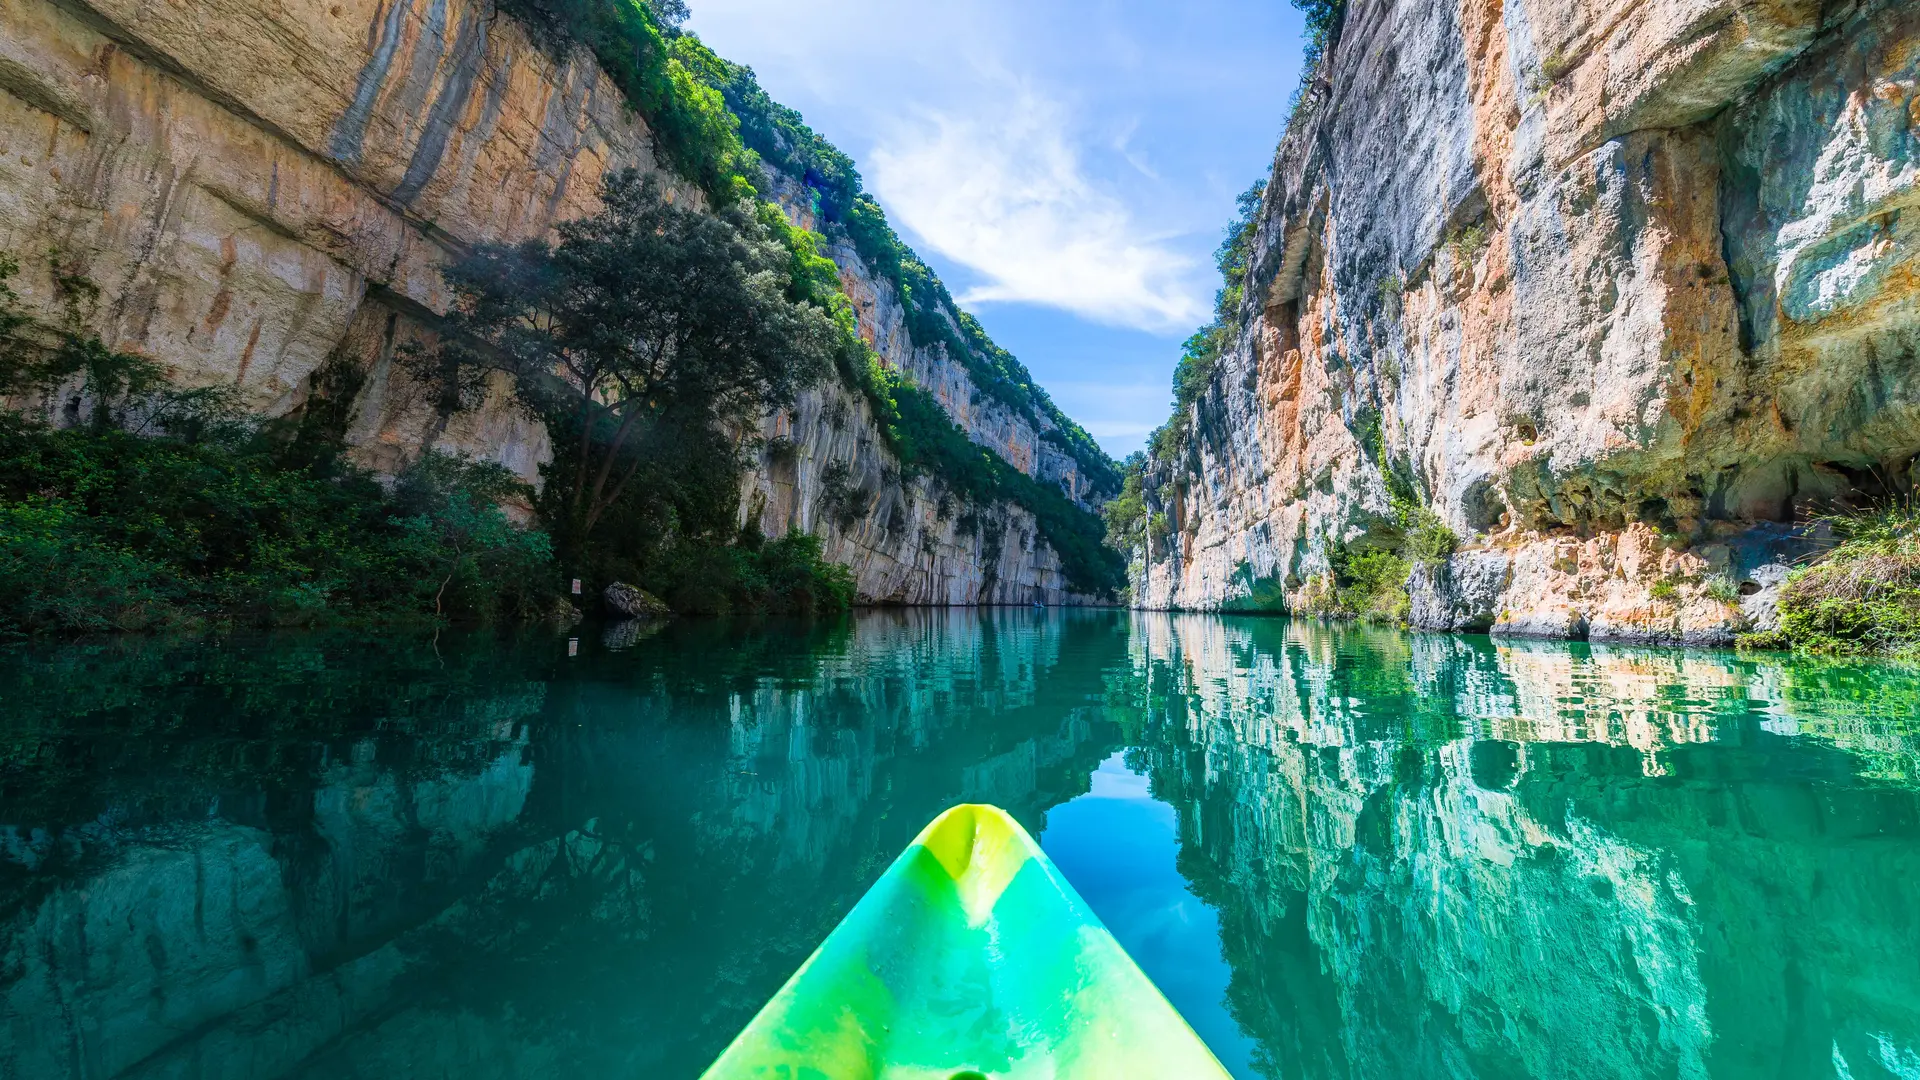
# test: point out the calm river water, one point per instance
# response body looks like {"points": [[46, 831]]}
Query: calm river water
{"points": [[1342, 853]]}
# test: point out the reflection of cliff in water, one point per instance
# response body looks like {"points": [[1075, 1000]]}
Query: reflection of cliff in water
{"points": [[322, 858], [1436, 857]]}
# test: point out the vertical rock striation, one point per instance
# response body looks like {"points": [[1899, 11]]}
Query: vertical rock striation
{"points": [[1618, 289], [263, 196], [825, 468]]}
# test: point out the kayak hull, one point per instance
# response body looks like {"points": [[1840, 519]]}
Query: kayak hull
{"points": [[970, 959]]}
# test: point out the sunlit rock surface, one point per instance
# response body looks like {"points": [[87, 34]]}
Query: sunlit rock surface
{"points": [[1620, 288], [263, 195], [909, 540]]}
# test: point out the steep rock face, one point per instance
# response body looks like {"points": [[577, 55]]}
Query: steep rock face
{"points": [[1022, 440], [261, 193], [1620, 290], [826, 469], [263, 196], [1019, 439]]}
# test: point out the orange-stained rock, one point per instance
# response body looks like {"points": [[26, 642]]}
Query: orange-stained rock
{"points": [[1583, 273]]}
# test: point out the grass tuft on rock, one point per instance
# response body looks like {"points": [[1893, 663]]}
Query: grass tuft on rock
{"points": [[1862, 597], [1369, 585]]}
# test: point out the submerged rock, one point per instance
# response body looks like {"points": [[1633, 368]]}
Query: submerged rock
{"points": [[630, 632]]}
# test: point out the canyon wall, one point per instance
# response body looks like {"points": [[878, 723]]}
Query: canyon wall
{"points": [[262, 196], [824, 468], [1028, 439], [1621, 290]]}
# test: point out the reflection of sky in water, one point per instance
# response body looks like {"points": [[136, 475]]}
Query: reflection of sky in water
{"points": [[1116, 845]]}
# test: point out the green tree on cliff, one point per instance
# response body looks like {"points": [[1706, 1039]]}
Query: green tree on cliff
{"points": [[649, 326]]}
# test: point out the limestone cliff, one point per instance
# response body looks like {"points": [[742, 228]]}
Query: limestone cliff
{"points": [[263, 195], [1029, 439], [1620, 289], [825, 469]]}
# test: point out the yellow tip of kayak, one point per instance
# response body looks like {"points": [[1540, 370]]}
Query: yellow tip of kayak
{"points": [[970, 958], [981, 849]]}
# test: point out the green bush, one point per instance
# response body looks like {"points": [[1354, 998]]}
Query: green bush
{"points": [[1862, 597], [1325, 18], [692, 128], [165, 506], [1429, 541], [1201, 353], [715, 124], [109, 530], [787, 576], [1369, 584], [660, 321], [1126, 513], [928, 442], [780, 136]]}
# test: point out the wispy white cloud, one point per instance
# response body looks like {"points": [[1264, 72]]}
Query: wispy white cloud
{"points": [[1002, 188], [1079, 158], [1118, 413]]}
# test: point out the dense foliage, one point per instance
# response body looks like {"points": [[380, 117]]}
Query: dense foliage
{"points": [[1365, 583], [648, 326], [634, 44], [112, 530], [781, 137], [788, 575], [927, 440], [641, 340], [1861, 597], [156, 506], [645, 336], [1324, 20], [1369, 578], [149, 506], [1126, 513]]}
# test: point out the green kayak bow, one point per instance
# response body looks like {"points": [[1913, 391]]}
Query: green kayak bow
{"points": [[970, 959]]}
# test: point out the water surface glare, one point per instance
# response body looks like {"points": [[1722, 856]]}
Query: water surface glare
{"points": [[1342, 853]]}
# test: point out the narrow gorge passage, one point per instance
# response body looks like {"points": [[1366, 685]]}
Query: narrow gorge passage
{"points": [[891, 540]]}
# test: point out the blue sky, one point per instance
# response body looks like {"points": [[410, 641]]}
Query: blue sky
{"points": [[1067, 167]]}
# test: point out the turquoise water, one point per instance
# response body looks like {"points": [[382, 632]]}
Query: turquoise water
{"points": [[1343, 853]]}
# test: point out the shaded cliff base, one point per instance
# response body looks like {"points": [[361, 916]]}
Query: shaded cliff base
{"points": [[1863, 596], [1846, 583]]}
